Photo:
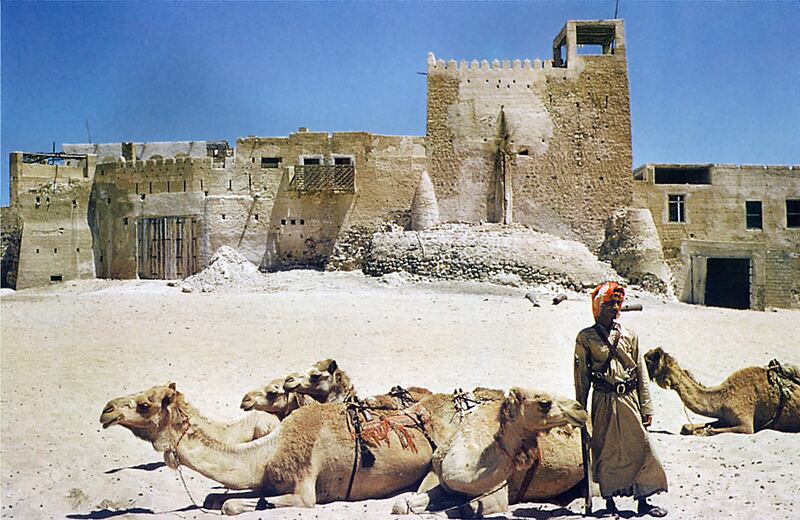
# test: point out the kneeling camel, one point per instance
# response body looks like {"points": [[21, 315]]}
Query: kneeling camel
{"points": [[749, 400], [307, 459], [489, 452]]}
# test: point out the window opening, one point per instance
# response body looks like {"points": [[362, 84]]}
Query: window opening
{"points": [[753, 214], [676, 205], [230, 185], [55, 250], [684, 175], [256, 216], [311, 160], [56, 277], [793, 213], [283, 222], [271, 162], [294, 222], [342, 160], [302, 222], [124, 221]]}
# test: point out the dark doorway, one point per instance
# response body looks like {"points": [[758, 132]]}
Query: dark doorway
{"points": [[728, 282]]}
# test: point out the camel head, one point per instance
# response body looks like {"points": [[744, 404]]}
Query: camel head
{"points": [[536, 411], [273, 398], [321, 381], [660, 367], [140, 413]]}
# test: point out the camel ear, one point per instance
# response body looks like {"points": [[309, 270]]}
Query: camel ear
{"points": [[509, 410], [172, 385], [169, 397], [332, 366]]}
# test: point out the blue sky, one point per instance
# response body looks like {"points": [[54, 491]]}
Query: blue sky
{"points": [[710, 81]]}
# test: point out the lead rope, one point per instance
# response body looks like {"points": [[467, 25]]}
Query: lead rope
{"points": [[178, 464]]}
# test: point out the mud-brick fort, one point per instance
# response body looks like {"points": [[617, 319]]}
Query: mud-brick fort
{"points": [[544, 144]]}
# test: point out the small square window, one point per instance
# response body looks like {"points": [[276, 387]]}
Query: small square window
{"points": [[793, 213], [271, 162], [55, 250], [256, 216], [302, 222], [753, 214], [676, 207], [294, 222], [37, 250], [223, 216], [283, 222]]}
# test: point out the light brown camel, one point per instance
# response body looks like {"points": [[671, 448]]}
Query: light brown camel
{"points": [[273, 399], [326, 382], [307, 459], [558, 470], [749, 400], [492, 443], [139, 413]]}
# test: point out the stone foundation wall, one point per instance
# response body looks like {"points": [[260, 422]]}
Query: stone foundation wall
{"points": [[464, 252]]}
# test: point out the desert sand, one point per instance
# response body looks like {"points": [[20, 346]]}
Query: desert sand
{"points": [[67, 349]]}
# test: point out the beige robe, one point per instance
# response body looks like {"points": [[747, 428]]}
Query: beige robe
{"points": [[623, 463]]}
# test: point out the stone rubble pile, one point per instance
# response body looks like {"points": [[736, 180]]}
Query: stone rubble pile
{"points": [[227, 270], [508, 255]]}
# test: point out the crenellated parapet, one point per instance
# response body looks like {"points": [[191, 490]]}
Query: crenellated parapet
{"points": [[464, 67]]}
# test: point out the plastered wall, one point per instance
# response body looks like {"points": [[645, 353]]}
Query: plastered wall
{"points": [[715, 226]]}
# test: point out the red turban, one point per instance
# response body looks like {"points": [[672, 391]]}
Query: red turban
{"points": [[606, 292]]}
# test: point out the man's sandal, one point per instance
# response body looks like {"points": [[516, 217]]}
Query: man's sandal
{"points": [[651, 510]]}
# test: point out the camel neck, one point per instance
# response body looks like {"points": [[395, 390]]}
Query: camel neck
{"points": [[697, 397], [238, 466]]}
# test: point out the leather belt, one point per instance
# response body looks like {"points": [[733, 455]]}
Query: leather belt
{"points": [[620, 388]]}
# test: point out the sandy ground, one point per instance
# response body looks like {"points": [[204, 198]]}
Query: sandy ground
{"points": [[68, 349]]}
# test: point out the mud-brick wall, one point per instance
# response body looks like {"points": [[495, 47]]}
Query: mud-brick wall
{"points": [[227, 203], [386, 179], [56, 240], [783, 279], [10, 238], [305, 228], [565, 132], [715, 225]]}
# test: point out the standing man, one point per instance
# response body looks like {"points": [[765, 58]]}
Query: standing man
{"points": [[607, 359]]}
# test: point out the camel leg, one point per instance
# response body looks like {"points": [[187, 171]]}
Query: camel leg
{"points": [[430, 481], [494, 503], [715, 428], [739, 428], [430, 496], [304, 496]]}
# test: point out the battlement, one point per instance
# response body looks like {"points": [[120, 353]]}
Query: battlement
{"points": [[452, 66]]}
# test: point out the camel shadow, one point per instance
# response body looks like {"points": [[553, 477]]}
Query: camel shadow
{"points": [[150, 466], [541, 514], [110, 513], [100, 514]]}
